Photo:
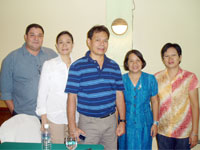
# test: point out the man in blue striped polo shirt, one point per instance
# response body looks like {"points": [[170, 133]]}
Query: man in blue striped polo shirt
{"points": [[96, 82]]}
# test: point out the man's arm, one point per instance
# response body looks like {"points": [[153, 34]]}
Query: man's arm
{"points": [[6, 82], [71, 113], [122, 112], [71, 109], [10, 105], [194, 101]]}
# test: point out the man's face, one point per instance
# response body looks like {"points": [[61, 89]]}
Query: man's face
{"points": [[98, 44], [34, 39]]}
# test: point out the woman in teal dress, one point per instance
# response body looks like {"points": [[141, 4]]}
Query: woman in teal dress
{"points": [[141, 104]]}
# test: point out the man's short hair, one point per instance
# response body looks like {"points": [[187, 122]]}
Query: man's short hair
{"points": [[98, 28], [33, 25]]}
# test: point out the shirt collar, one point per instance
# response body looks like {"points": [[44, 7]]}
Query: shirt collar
{"points": [[60, 61], [87, 55], [179, 74], [26, 52]]}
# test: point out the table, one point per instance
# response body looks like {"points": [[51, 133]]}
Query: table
{"points": [[37, 146]]}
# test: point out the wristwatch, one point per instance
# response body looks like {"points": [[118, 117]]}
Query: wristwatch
{"points": [[122, 120], [156, 122]]}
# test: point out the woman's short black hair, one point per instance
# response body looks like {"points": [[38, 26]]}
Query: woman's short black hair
{"points": [[62, 33], [169, 45], [138, 54]]}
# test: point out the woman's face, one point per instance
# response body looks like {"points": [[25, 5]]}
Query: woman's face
{"points": [[171, 59], [134, 63], [64, 45]]}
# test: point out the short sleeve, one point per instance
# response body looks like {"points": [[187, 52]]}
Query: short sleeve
{"points": [[194, 83], [119, 81], [154, 86]]}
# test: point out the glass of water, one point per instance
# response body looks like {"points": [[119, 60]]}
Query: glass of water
{"points": [[71, 142]]}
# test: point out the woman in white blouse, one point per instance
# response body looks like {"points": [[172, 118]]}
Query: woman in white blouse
{"points": [[52, 100]]}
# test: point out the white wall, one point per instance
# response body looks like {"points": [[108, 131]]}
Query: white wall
{"points": [[157, 22], [77, 16]]}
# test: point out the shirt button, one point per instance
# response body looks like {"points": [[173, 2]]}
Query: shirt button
{"points": [[134, 96], [134, 105]]}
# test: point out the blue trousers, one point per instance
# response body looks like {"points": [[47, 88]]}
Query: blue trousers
{"points": [[168, 143]]}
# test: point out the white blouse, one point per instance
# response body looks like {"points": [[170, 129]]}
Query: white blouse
{"points": [[52, 99]]}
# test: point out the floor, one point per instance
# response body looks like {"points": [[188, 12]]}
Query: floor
{"points": [[4, 115]]}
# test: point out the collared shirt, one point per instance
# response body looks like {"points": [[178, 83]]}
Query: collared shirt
{"points": [[95, 88], [19, 78], [175, 110], [52, 99]]}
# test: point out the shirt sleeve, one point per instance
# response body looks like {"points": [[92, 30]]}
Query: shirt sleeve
{"points": [[119, 81], [154, 86], [6, 78], [43, 89], [73, 82], [194, 83]]}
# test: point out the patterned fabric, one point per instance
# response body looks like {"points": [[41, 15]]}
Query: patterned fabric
{"points": [[138, 112], [95, 88], [175, 117]]}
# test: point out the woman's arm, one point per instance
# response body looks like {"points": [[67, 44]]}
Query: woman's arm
{"points": [[194, 102], [43, 90], [155, 109]]}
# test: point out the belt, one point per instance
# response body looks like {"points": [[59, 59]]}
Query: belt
{"points": [[107, 115]]}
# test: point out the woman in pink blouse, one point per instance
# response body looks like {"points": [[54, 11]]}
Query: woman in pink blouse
{"points": [[179, 102]]}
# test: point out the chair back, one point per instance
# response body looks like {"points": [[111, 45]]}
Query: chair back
{"points": [[21, 128]]}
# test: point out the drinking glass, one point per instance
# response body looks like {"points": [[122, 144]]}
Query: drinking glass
{"points": [[71, 143]]}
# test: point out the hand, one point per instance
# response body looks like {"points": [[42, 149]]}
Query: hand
{"points": [[120, 129], [193, 140], [76, 132], [44, 121], [154, 130]]}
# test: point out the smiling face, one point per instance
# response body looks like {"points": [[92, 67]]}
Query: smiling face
{"points": [[64, 45], [34, 39], [171, 59], [98, 44], [134, 63]]}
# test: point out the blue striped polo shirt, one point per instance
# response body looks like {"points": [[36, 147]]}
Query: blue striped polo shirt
{"points": [[95, 88]]}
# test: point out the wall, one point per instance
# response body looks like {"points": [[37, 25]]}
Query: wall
{"points": [[77, 16], [119, 45], [157, 22]]}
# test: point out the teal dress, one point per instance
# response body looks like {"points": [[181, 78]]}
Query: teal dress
{"points": [[138, 112]]}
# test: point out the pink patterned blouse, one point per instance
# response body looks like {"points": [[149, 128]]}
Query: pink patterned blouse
{"points": [[175, 116]]}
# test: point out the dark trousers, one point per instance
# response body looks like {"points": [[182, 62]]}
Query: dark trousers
{"points": [[168, 143]]}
